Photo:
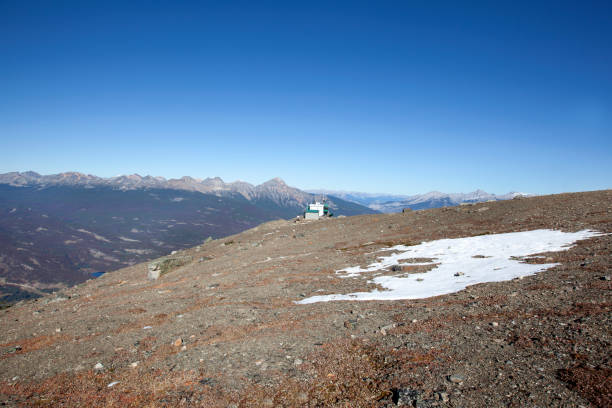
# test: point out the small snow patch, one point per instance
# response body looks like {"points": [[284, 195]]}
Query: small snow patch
{"points": [[458, 263], [128, 239], [93, 234]]}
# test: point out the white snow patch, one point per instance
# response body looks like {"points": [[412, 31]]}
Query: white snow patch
{"points": [[457, 255], [139, 251], [93, 234], [128, 239], [101, 255], [113, 384]]}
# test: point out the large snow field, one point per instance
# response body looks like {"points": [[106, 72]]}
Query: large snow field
{"points": [[459, 262]]}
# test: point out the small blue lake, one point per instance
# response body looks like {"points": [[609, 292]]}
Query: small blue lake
{"points": [[97, 274]]}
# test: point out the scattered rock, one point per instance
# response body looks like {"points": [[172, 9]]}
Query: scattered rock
{"points": [[606, 278], [494, 324], [442, 396], [405, 397], [456, 378], [98, 367], [302, 397], [178, 342], [385, 329], [350, 324], [164, 265], [459, 274], [298, 362], [207, 381]]}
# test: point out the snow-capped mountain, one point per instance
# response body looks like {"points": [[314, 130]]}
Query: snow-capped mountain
{"points": [[361, 198], [389, 203]]}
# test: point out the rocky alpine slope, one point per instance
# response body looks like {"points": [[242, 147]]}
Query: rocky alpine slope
{"points": [[225, 329]]}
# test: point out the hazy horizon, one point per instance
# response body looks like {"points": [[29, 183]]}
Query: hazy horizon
{"points": [[310, 190]]}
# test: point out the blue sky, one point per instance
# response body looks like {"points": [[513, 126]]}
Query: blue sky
{"points": [[400, 97]]}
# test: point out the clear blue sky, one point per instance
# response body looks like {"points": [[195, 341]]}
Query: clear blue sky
{"points": [[380, 96]]}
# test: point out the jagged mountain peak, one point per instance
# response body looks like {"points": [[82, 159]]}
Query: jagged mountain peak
{"points": [[276, 180], [216, 183], [190, 179]]}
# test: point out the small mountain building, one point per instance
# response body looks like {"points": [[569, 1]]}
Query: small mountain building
{"points": [[316, 210]]}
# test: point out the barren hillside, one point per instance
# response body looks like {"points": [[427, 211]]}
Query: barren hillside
{"points": [[224, 329]]}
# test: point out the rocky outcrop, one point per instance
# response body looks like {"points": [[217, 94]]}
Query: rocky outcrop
{"points": [[164, 265]]}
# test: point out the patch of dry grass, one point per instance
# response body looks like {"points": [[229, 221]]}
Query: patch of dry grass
{"points": [[344, 374], [34, 343], [134, 389], [592, 383]]}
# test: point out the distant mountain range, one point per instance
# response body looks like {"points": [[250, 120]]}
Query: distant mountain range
{"points": [[388, 203], [56, 230], [274, 194]]}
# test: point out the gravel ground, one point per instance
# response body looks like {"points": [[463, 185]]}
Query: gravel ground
{"points": [[225, 330]]}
